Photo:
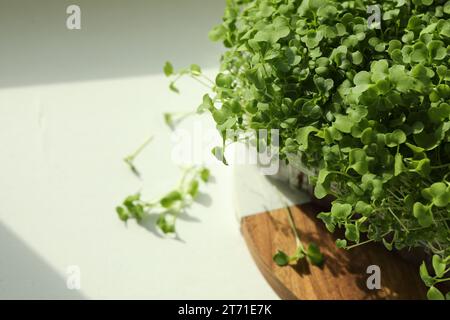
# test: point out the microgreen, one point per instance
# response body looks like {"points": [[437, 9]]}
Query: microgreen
{"points": [[366, 108], [194, 72], [169, 206], [173, 119], [440, 268], [312, 252], [129, 160]]}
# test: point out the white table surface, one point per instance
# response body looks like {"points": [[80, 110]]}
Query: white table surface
{"points": [[68, 116]]}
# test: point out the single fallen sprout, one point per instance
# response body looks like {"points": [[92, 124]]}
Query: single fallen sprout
{"points": [[129, 160], [312, 253], [170, 206]]}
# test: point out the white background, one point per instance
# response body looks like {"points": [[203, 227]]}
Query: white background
{"points": [[72, 105]]}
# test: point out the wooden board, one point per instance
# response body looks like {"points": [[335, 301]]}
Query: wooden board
{"points": [[344, 273]]}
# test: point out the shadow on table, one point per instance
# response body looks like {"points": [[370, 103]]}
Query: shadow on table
{"points": [[25, 275], [117, 39]]}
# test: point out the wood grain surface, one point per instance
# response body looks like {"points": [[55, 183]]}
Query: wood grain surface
{"points": [[344, 272]]}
